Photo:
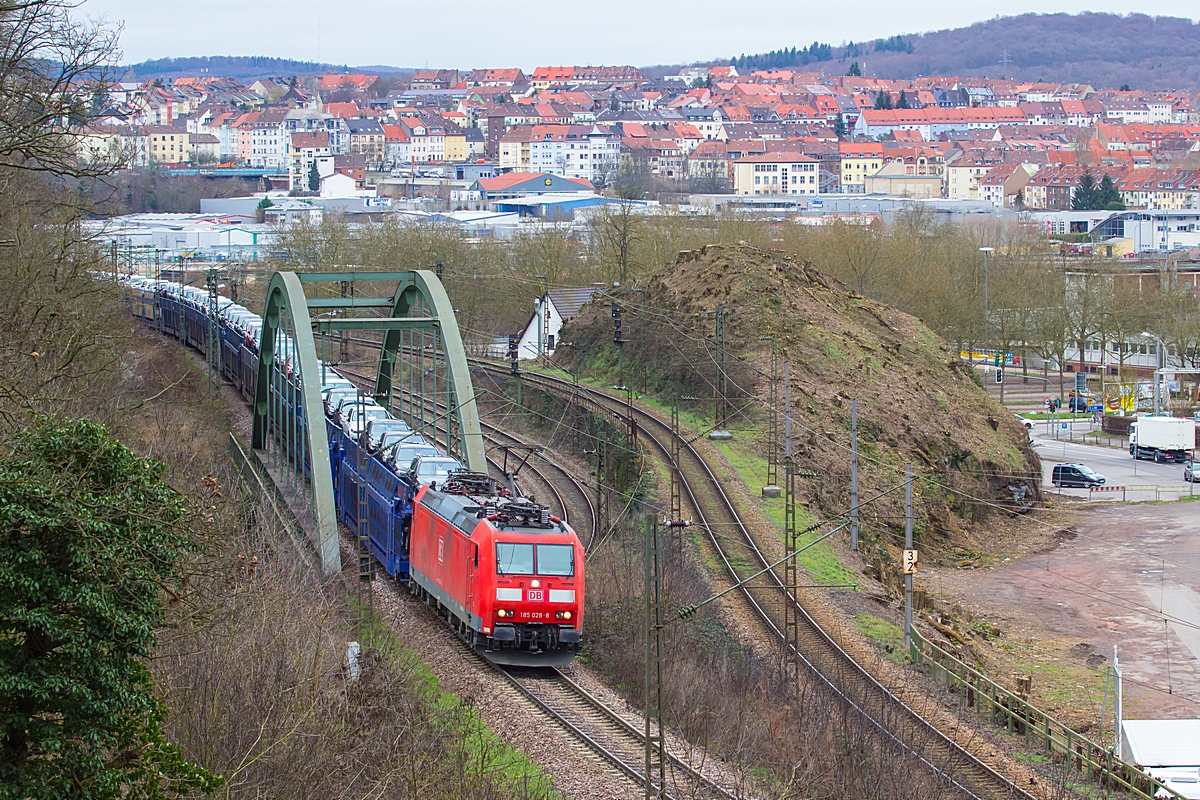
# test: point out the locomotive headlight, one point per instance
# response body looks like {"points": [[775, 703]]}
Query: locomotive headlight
{"points": [[502, 613], [562, 614], [566, 615], [535, 583]]}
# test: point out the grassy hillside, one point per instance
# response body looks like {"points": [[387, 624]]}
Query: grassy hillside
{"points": [[917, 401]]}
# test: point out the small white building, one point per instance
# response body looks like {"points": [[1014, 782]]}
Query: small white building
{"points": [[1167, 749], [340, 185], [551, 310]]}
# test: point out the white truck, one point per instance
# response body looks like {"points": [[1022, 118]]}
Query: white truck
{"points": [[1162, 438]]}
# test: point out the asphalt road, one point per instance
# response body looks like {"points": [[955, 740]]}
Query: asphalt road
{"points": [[1116, 465]]}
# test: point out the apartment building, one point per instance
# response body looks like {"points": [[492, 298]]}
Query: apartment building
{"points": [[858, 160], [269, 140], [573, 151], [776, 173], [308, 148]]}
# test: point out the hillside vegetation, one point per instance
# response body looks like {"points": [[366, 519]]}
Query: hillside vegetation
{"points": [[917, 401], [246, 68], [1104, 50]]}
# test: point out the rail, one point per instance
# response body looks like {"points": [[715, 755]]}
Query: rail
{"points": [[601, 729], [1019, 717]]}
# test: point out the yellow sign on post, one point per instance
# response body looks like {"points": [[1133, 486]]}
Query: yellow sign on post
{"points": [[910, 562]]}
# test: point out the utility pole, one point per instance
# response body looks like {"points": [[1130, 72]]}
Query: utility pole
{"points": [[1118, 699], [214, 333], [722, 406], [344, 354], [602, 474], [619, 342], [366, 565], [158, 315], [791, 611], [854, 473], [676, 475], [655, 767], [772, 487], [908, 547], [987, 342]]}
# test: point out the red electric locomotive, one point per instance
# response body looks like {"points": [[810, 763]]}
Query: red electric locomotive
{"points": [[507, 575]]}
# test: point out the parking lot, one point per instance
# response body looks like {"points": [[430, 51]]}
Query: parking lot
{"points": [[1115, 464]]}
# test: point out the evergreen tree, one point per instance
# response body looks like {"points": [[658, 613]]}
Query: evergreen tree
{"points": [[1108, 196], [854, 70], [314, 177], [903, 101], [90, 537], [883, 100], [260, 211], [1084, 198], [839, 127]]}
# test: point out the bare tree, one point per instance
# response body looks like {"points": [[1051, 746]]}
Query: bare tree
{"points": [[54, 73], [616, 228]]}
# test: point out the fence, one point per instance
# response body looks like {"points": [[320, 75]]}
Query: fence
{"points": [[1017, 716], [1158, 490]]}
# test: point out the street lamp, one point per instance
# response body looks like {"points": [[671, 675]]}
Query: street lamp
{"points": [[987, 342], [1158, 348]]}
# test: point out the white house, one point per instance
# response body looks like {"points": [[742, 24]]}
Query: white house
{"points": [[341, 185], [550, 311]]}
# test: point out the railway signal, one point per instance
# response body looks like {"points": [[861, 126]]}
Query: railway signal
{"points": [[514, 340], [616, 318]]}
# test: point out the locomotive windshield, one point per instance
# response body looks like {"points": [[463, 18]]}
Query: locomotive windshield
{"points": [[552, 559], [514, 559], [555, 559]]}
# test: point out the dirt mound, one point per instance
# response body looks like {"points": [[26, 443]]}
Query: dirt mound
{"points": [[917, 400]]}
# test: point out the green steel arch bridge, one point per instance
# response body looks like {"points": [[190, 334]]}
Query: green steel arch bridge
{"points": [[307, 318]]}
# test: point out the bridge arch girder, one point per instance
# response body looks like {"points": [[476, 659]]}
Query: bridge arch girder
{"points": [[285, 298], [425, 285]]}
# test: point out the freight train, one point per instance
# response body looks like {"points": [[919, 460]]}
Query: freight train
{"points": [[506, 574]]}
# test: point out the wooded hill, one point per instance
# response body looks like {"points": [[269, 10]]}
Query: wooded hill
{"points": [[244, 68], [1105, 50]]}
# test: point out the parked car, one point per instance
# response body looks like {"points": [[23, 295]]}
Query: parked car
{"points": [[356, 416], [334, 398], [404, 452], [1189, 472], [376, 428], [1078, 475], [432, 469]]}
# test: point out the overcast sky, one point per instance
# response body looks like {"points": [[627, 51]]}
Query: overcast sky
{"points": [[474, 33]]}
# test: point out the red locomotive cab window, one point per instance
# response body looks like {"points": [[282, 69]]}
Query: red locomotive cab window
{"points": [[514, 559], [556, 560]]}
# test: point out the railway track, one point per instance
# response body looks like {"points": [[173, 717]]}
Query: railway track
{"points": [[826, 660], [580, 713], [604, 731]]}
